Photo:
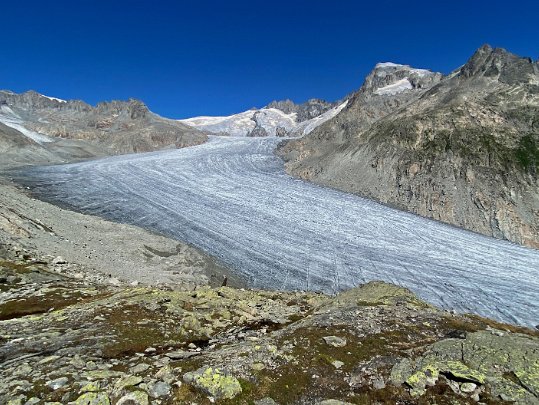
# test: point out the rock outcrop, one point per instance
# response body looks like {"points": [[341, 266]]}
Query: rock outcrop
{"points": [[463, 149]]}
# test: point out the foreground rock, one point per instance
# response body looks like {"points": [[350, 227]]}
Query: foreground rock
{"points": [[73, 341]]}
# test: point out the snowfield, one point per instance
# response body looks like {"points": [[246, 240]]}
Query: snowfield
{"points": [[232, 198]]}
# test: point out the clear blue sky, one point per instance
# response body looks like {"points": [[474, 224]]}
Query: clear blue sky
{"points": [[186, 58]]}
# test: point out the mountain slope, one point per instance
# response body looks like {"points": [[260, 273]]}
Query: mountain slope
{"points": [[464, 152], [114, 127]]}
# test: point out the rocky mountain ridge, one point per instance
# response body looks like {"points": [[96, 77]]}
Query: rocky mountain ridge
{"points": [[462, 149], [57, 126]]}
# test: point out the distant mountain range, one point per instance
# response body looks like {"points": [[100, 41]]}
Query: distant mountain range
{"points": [[279, 118]]}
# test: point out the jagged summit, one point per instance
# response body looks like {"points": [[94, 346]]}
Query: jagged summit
{"points": [[499, 64]]}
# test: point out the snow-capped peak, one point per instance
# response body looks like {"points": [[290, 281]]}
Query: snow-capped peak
{"points": [[273, 122], [242, 124], [383, 65], [397, 66]]}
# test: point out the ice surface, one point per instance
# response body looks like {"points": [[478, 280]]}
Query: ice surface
{"points": [[232, 198]]}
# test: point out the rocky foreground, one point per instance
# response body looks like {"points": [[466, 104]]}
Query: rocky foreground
{"points": [[81, 340]]}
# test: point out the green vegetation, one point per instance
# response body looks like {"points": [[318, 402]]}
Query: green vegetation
{"points": [[527, 153]]}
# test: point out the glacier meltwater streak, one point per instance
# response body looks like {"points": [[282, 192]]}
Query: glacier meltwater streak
{"points": [[232, 198]]}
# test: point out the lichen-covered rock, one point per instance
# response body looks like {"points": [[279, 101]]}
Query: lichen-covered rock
{"points": [[507, 363], [92, 398], [214, 382], [127, 381], [134, 398]]}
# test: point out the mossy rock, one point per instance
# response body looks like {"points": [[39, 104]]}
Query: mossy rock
{"points": [[214, 382], [92, 398]]}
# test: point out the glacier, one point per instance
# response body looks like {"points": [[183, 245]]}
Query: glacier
{"points": [[232, 198]]}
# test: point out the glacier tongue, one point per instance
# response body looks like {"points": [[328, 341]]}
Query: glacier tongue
{"points": [[232, 198]]}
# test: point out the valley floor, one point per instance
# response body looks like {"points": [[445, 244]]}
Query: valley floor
{"points": [[232, 199]]}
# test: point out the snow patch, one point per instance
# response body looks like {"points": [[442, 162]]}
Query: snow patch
{"points": [[394, 88], [9, 118], [389, 64], [54, 98], [308, 126]]}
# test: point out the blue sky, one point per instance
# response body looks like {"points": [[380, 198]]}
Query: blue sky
{"points": [[187, 58]]}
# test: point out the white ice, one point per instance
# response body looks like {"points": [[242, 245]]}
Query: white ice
{"points": [[232, 198]]}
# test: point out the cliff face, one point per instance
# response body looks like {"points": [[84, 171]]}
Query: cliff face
{"points": [[463, 150]]}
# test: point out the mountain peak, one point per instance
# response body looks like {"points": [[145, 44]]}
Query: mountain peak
{"points": [[498, 64], [388, 78]]}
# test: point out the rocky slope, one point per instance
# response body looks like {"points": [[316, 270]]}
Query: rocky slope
{"points": [[73, 129], [120, 252], [279, 118], [462, 149], [72, 340]]}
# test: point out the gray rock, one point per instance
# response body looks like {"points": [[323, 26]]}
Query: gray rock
{"points": [[59, 260], [159, 389], [58, 383], [134, 398], [468, 387], [335, 341], [265, 401], [378, 383], [181, 355], [140, 368]]}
